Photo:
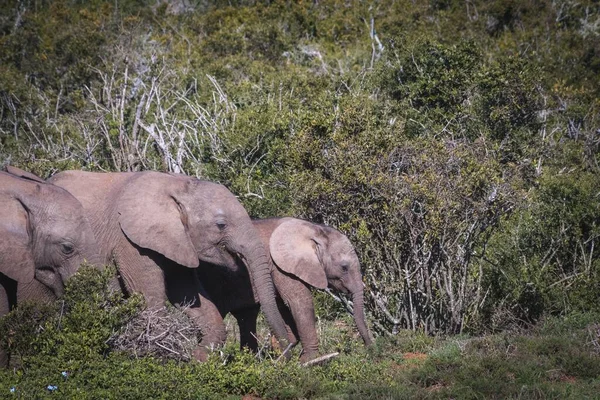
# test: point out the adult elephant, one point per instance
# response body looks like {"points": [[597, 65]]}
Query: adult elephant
{"points": [[305, 255], [158, 227], [44, 238]]}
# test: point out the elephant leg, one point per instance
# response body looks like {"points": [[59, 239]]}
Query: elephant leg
{"points": [[4, 309], [8, 294], [184, 288], [246, 319], [140, 273], [298, 298], [290, 324], [214, 332]]}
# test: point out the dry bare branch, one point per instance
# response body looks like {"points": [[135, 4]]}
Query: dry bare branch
{"points": [[162, 332], [321, 360]]}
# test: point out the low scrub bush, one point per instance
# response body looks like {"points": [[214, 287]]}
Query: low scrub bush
{"points": [[460, 162], [73, 330], [558, 358]]}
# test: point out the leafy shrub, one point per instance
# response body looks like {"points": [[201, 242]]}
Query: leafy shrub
{"points": [[73, 330], [411, 365], [557, 267], [433, 76], [407, 125]]}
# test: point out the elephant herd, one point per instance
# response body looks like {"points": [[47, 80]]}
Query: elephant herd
{"points": [[174, 239]]}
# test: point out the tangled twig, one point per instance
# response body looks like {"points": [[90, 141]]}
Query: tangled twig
{"points": [[162, 332]]}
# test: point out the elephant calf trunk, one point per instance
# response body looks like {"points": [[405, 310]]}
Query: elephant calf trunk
{"points": [[360, 319]]}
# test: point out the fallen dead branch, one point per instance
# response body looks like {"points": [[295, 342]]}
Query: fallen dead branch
{"points": [[320, 360], [286, 352]]}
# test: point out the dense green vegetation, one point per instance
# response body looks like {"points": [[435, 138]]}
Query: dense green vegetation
{"points": [[456, 144], [64, 350]]}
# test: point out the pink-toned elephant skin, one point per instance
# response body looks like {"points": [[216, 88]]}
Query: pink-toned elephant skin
{"points": [[159, 227], [305, 255], [44, 238]]}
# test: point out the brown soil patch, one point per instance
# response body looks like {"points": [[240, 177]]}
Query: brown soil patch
{"points": [[418, 357], [411, 360], [568, 379], [341, 324], [556, 375], [437, 387], [275, 344]]}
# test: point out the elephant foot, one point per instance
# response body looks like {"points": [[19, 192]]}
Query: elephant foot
{"points": [[308, 356], [275, 344], [282, 345], [200, 354]]}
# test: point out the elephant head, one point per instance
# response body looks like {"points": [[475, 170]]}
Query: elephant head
{"points": [[188, 220], [321, 257], [43, 232]]}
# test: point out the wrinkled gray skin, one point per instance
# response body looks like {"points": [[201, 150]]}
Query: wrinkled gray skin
{"points": [[305, 255], [44, 238], [158, 227]]}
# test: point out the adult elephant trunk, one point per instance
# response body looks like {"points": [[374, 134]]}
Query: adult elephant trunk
{"points": [[259, 267], [95, 260], [359, 316], [58, 282]]}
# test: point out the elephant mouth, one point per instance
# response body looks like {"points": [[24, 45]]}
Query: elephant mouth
{"points": [[338, 286], [224, 257], [48, 276], [44, 271], [239, 260]]}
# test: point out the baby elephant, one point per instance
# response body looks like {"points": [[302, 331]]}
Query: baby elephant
{"points": [[44, 238], [305, 255]]}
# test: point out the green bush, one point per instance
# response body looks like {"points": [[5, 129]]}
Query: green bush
{"points": [[72, 331], [546, 360], [433, 77], [435, 134], [557, 266]]}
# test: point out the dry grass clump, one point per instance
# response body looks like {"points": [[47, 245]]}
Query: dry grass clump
{"points": [[166, 333], [594, 335]]}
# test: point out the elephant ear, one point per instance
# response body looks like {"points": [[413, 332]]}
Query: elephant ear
{"points": [[294, 247], [151, 217], [23, 174], [16, 260]]}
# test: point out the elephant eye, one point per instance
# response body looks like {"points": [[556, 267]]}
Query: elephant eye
{"points": [[67, 248], [345, 267], [221, 225]]}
